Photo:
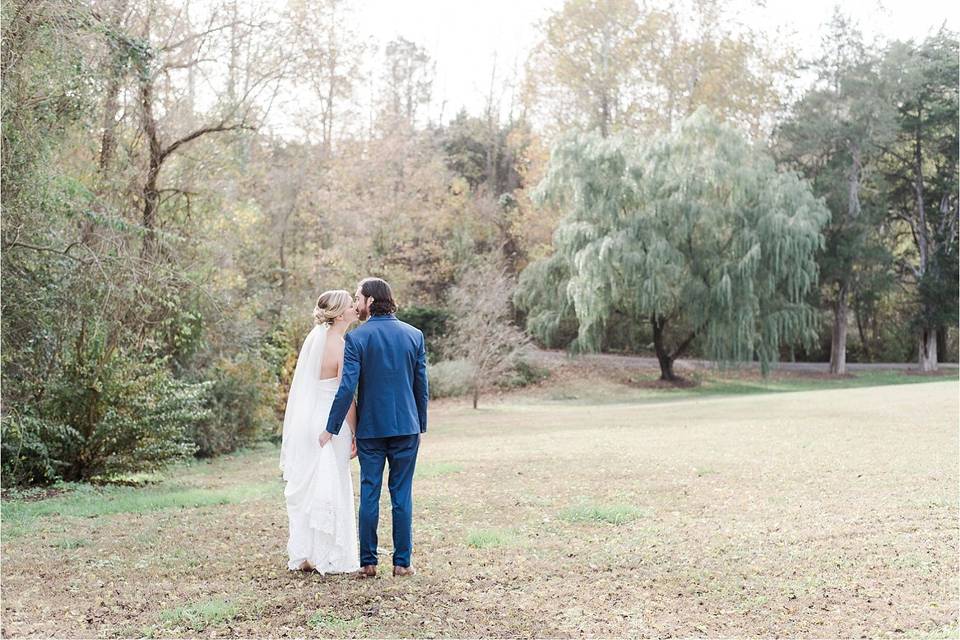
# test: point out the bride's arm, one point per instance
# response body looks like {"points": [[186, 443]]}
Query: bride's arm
{"points": [[352, 423], [352, 417], [352, 411]]}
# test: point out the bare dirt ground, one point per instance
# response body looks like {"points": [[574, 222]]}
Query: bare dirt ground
{"points": [[830, 513]]}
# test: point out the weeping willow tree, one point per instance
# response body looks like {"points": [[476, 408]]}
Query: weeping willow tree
{"points": [[696, 233]]}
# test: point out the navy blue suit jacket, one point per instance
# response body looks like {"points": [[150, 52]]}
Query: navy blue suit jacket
{"points": [[387, 359]]}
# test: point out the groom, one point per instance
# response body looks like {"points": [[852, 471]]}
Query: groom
{"points": [[388, 359]]}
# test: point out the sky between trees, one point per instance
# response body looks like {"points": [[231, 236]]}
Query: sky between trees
{"points": [[473, 42]]}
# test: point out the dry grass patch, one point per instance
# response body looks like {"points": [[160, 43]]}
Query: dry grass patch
{"points": [[810, 514], [436, 469]]}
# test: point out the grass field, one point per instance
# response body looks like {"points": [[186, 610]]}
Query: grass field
{"points": [[827, 512]]}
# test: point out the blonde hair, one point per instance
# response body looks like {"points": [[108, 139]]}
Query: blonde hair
{"points": [[330, 305]]}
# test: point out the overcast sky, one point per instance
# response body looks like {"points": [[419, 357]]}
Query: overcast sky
{"points": [[464, 35], [466, 38]]}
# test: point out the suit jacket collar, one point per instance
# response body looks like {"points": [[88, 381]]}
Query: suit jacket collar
{"points": [[388, 316]]}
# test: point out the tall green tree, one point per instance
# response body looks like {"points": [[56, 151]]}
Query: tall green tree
{"points": [[920, 166], [833, 137], [696, 233]]}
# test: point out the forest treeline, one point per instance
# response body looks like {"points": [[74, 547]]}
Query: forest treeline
{"points": [[663, 181]]}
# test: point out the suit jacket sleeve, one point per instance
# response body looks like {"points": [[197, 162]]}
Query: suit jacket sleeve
{"points": [[348, 384], [420, 386]]}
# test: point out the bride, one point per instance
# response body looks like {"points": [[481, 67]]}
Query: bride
{"points": [[319, 490]]}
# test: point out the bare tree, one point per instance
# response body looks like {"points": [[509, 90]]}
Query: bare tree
{"points": [[408, 81], [328, 58], [159, 97], [483, 331]]}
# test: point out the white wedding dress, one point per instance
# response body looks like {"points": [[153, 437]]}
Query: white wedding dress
{"points": [[319, 489]]}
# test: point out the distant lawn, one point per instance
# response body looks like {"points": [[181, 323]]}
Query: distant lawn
{"points": [[724, 385], [643, 386]]}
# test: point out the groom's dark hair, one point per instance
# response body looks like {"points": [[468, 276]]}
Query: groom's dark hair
{"points": [[382, 295]]}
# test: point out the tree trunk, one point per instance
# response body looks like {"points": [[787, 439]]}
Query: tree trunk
{"points": [[234, 61], [476, 394], [942, 347], [663, 354], [151, 196], [328, 101], [928, 349], [861, 330], [108, 141], [283, 267], [605, 115], [838, 342]]}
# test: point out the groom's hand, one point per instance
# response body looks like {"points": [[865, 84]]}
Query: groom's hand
{"points": [[325, 437], [353, 448]]}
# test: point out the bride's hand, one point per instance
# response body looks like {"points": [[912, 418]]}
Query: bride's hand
{"points": [[353, 448], [325, 437]]}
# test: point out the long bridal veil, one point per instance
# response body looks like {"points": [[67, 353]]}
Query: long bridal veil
{"points": [[302, 401]]}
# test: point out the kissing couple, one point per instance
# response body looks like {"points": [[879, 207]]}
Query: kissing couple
{"points": [[383, 361]]}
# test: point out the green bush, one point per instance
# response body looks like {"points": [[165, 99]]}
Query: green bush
{"points": [[450, 378], [239, 406], [144, 424], [30, 448], [431, 320], [103, 414]]}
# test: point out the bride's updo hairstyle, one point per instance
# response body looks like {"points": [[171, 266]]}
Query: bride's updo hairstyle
{"points": [[331, 305]]}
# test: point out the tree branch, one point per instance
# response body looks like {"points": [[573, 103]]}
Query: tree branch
{"points": [[190, 137], [204, 34], [33, 247], [683, 345]]}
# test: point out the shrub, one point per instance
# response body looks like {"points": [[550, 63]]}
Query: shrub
{"points": [[523, 373], [30, 449], [450, 378], [105, 413], [239, 406], [431, 320]]}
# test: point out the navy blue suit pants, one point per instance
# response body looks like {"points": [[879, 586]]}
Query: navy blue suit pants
{"points": [[400, 453]]}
